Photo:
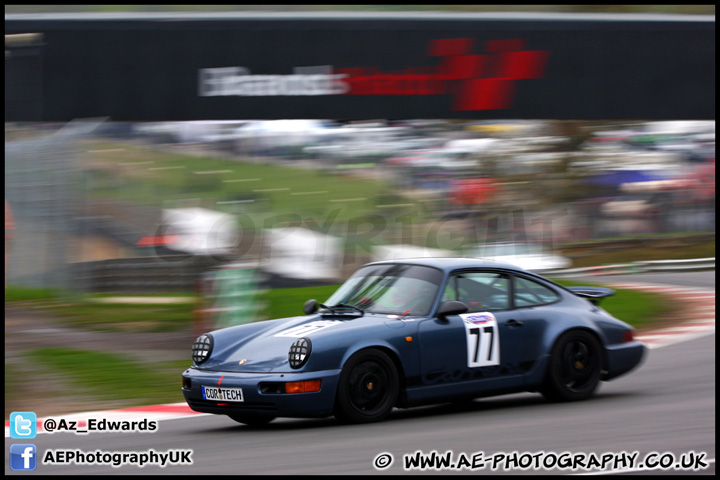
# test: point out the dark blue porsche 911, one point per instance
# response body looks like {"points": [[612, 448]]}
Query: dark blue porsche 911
{"points": [[412, 332]]}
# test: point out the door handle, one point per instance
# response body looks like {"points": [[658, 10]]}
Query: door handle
{"points": [[513, 323]]}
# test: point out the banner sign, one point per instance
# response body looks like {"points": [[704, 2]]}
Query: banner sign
{"points": [[345, 67]]}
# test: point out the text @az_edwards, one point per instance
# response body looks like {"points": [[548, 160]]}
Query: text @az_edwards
{"points": [[51, 425]]}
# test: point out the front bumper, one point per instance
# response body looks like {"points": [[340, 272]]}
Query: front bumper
{"points": [[257, 397], [623, 357]]}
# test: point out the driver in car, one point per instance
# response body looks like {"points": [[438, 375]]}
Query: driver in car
{"points": [[412, 297]]}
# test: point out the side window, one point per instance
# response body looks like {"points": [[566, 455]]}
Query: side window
{"points": [[450, 292], [481, 291], [529, 293]]}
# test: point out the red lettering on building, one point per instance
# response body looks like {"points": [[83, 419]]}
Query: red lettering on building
{"points": [[477, 81]]}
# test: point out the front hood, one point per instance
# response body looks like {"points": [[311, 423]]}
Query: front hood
{"points": [[266, 348]]}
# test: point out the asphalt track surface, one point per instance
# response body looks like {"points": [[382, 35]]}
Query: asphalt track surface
{"points": [[665, 411]]}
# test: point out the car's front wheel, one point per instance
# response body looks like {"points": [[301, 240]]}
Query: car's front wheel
{"points": [[575, 367], [368, 387], [253, 419]]}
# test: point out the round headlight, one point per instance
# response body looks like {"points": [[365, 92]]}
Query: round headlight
{"points": [[202, 347], [299, 352]]}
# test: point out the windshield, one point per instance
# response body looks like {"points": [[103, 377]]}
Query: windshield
{"points": [[391, 289]]}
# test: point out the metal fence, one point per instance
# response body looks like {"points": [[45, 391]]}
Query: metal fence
{"points": [[654, 266], [39, 188], [143, 274]]}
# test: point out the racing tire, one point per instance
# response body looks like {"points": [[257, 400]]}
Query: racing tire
{"points": [[252, 419], [368, 387], [575, 367]]}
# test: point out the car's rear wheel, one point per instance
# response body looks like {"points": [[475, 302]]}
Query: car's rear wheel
{"points": [[253, 419], [368, 387], [575, 367]]}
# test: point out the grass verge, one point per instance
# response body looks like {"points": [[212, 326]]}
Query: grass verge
{"points": [[109, 376], [100, 313], [288, 302], [23, 294], [636, 308], [277, 188]]}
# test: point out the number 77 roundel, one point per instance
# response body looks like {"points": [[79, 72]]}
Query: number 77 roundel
{"points": [[483, 346]]}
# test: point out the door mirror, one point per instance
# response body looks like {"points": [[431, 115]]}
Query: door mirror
{"points": [[453, 307], [310, 307]]}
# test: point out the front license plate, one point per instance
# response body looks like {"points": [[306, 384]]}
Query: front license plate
{"points": [[222, 394]]}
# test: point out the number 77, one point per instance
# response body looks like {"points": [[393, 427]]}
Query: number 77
{"points": [[476, 331]]}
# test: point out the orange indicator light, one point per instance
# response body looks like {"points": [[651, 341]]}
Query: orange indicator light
{"points": [[408, 339], [303, 387]]}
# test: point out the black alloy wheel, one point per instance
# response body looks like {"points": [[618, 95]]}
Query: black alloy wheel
{"points": [[368, 387], [575, 367]]}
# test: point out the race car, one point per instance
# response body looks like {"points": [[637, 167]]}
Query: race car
{"points": [[403, 333]]}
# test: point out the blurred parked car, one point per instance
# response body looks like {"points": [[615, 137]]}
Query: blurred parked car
{"points": [[530, 256]]}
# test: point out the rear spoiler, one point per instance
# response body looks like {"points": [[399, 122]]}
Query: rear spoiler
{"points": [[594, 294]]}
